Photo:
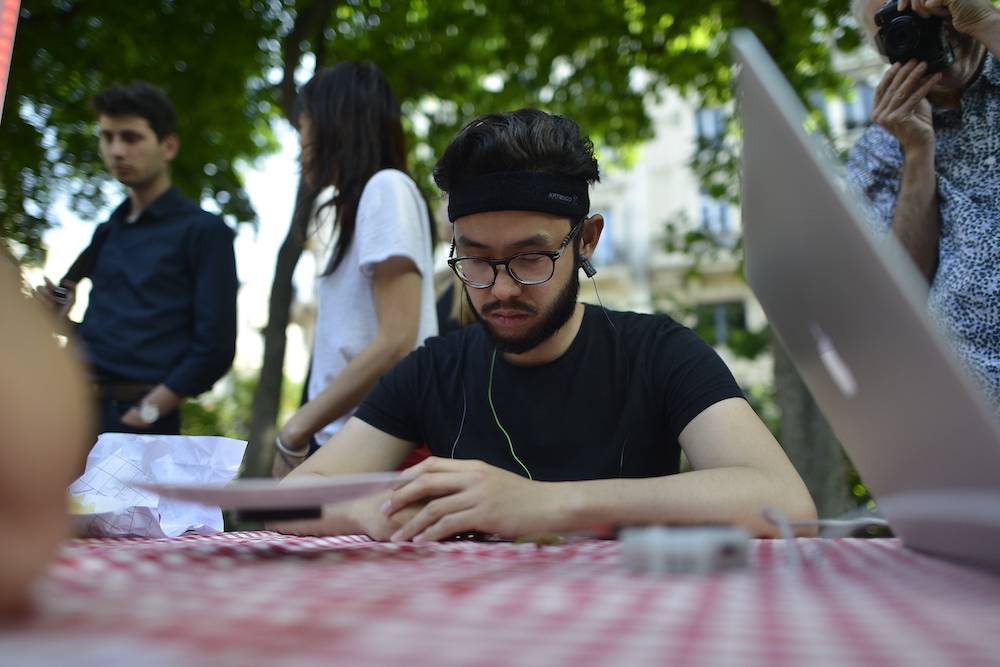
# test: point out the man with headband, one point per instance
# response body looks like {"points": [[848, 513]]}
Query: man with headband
{"points": [[549, 416]]}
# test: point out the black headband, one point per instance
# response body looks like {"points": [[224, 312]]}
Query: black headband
{"points": [[544, 192]]}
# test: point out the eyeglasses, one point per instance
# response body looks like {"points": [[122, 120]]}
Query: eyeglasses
{"points": [[527, 268]]}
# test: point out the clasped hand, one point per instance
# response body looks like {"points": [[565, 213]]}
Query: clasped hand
{"points": [[461, 496], [901, 105]]}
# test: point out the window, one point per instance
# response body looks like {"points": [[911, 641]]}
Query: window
{"points": [[725, 323], [710, 124], [858, 109], [715, 220]]}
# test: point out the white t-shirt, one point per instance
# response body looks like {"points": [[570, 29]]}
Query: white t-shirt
{"points": [[391, 221]]}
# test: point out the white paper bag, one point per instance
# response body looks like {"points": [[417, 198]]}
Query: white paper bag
{"points": [[120, 459]]}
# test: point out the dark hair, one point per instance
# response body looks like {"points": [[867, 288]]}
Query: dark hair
{"points": [[138, 99], [356, 127], [523, 140]]}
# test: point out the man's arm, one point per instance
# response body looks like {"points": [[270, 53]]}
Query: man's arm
{"points": [[739, 469], [60, 304], [213, 321], [358, 447], [901, 108]]}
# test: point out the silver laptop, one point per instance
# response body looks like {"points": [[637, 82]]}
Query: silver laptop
{"points": [[851, 310]]}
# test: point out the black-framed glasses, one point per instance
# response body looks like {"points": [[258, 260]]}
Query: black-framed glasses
{"points": [[527, 268]]}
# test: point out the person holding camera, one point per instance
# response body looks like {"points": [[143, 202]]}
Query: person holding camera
{"points": [[161, 321], [928, 163]]}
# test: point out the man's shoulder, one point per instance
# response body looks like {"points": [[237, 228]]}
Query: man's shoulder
{"points": [[175, 205], [642, 334], [632, 322], [455, 343], [439, 356]]}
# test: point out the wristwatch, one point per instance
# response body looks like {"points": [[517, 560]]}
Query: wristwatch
{"points": [[149, 413]]}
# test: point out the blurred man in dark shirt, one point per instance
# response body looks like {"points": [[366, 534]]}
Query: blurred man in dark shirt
{"points": [[161, 321]]}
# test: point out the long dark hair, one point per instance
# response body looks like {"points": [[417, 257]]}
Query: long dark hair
{"points": [[356, 131]]}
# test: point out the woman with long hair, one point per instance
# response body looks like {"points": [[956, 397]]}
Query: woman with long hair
{"points": [[376, 294]]}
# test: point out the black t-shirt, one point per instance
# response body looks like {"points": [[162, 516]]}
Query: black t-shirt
{"points": [[611, 406]]}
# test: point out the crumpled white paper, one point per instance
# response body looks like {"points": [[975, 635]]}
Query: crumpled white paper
{"points": [[120, 459]]}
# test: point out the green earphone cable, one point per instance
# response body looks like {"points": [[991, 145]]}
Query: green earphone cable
{"points": [[489, 394]]}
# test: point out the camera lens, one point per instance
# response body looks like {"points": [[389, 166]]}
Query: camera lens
{"points": [[902, 35]]}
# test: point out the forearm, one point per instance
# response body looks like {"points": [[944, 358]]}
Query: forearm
{"points": [[205, 364], [718, 496], [917, 220], [338, 519], [348, 389]]}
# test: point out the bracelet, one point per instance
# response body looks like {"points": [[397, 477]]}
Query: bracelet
{"points": [[282, 447]]}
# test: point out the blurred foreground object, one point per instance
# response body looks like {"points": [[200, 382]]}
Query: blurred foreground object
{"points": [[697, 549], [45, 429]]}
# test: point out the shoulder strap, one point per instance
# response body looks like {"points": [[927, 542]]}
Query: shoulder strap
{"points": [[84, 264]]}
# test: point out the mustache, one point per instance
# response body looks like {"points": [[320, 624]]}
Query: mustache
{"points": [[508, 305]]}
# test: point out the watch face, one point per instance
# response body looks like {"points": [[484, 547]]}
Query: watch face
{"points": [[149, 412]]}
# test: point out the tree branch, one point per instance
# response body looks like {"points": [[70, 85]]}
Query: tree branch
{"points": [[313, 15]]}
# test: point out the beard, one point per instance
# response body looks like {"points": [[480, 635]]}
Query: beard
{"points": [[558, 314]]}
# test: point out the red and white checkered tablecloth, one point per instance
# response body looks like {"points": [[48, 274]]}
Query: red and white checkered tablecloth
{"points": [[238, 599]]}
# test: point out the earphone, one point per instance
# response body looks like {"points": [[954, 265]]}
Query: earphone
{"points": [[589, 270]]}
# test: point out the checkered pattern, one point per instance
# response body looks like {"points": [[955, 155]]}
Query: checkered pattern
{"points": [[266, 599]]}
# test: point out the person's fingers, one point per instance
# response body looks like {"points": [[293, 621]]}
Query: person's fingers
{"points": [[918, 7], [928, 8], [439, 519], [897, 102], [888, 90], [887, 80], [428, 485], [907, 79], [911, 92], [455, 523], [416, 470]]}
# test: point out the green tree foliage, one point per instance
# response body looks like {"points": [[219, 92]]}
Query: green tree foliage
{"points": [[205, 54], [597, 61]]}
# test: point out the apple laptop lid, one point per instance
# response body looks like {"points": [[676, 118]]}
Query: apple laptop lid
{"points": [[850, 310]]}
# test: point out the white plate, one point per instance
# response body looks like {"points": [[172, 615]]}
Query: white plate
{"points": [[266, 494]]}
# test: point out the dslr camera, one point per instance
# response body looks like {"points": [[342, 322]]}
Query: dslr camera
{"points": [[906, 35]]}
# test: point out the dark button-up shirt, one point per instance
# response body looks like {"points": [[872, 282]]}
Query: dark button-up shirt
{"points": [[163, 301]]}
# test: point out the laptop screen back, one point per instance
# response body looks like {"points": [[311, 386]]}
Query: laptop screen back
{"points": [[850, 310]]}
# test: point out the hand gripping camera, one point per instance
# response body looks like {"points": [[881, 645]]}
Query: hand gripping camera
{"points": [[905, 35]]}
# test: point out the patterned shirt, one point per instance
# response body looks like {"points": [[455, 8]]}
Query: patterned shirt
{"points": [[965, 293]]}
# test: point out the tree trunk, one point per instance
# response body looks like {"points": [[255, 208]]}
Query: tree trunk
{"points": [[267, 395], [808, 439]]}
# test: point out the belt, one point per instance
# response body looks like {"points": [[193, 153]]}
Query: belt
{"points": [[122, 391]]}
